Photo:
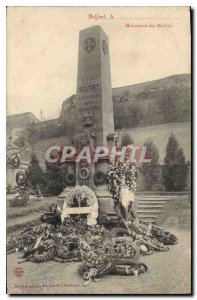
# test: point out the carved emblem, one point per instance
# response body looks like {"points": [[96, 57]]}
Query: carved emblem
{"points": [[105, 47], [88, 119], [86, 138], [84, 173], [89, 44]]}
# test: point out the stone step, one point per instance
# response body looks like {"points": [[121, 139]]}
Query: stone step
{"points": [[150, 205], [152, 199], [150, 216], [148, 211], [150, 202], [157, 197]]}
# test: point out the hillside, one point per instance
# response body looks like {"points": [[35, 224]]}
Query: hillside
{"points": [[166, 100], [156, 102]]}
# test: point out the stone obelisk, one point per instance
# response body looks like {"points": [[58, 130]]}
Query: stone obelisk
{"points": [[94, 91]]}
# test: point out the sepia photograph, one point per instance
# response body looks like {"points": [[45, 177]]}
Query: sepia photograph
{"points": [[98, 150]]}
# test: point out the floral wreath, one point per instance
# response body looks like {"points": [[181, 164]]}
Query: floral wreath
{"points": [[83, 196], [81, 193]]}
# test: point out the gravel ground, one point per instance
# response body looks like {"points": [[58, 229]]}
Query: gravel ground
{"points": [[169, 273]]}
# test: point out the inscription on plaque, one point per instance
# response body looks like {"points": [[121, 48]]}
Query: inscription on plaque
{"points": [[88, 79], [87, 97], [89, 88]]}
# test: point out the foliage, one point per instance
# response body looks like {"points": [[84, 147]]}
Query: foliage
{"points": [[175, 104], [131, 114], [20, 139], [150, 170], [175, 167], [26, 136], [158, 102], [126, 140], [22, 198], [121, 174], [34, 173], [54, 180]]}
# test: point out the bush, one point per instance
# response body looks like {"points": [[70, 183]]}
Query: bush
{"points": [[54, 178], [175, 168], [150, 170], [35, 174], [126, 140]]}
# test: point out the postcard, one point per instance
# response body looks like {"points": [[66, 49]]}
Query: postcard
{"points": [[98, 150]]}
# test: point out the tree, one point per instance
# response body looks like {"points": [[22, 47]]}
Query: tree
{"points": [[20, 139], [126, 140], [54, 177], [175, 167], [150, 170], [35, 174]]}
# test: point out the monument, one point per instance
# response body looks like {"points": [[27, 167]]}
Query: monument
{"points": [[95, 119], [14, 163]]}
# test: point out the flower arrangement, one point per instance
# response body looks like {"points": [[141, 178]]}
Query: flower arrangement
{"points": [[81, 196], [121, 174]]}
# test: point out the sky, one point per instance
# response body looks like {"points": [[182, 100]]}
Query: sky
{"points": [[42, 50]]}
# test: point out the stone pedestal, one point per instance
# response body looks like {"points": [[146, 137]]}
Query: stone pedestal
{"points": [[102, 192]]}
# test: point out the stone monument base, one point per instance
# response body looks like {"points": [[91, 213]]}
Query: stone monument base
{"points": [[102, 192]]}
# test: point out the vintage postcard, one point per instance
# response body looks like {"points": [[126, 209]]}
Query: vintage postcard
{"points": [[98, 150]]}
